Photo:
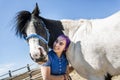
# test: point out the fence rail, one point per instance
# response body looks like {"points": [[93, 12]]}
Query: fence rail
{"points": [[10, 72]]}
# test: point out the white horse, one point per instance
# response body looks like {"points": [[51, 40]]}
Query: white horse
{"points": [[94, 51], [95, 47]]}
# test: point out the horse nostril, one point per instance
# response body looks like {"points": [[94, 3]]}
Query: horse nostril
{"points": [[41, 52], [35, 56]]}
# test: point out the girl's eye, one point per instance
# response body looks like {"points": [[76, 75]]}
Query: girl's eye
{"points": [[61, 43]]}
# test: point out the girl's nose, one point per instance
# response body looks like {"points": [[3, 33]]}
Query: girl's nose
{"points": [[57, 44]]}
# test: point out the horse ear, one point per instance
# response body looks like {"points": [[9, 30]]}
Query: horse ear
{"points": [[36, 11]]}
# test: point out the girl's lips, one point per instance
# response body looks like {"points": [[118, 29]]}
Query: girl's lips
{"points": [[56, 48]]}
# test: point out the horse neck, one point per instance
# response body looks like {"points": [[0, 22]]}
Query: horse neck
{"points": [[57, 27], [70, 27]]}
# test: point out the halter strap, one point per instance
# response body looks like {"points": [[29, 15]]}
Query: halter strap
{"points": [[36, 36], [40, 37]]}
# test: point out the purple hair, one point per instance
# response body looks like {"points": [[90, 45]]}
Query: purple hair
{"points": [[67, 40]]}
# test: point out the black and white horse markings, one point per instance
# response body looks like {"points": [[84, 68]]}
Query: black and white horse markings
{"points": [[94, 51]]}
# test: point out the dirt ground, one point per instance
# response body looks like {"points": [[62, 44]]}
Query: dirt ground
{"points": [[36, 75], [75, 76]]}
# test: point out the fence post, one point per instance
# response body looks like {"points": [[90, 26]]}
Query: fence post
{"points": [[28, 67], [29, 71], [10, 73]]}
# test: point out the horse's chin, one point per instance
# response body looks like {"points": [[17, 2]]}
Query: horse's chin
{"points": [[40, 60]]}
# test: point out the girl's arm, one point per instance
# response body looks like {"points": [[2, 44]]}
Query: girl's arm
{"points": [[45, 70], [67, 72]]}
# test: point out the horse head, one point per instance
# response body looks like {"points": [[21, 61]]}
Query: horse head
{"points": [[34, 31]]}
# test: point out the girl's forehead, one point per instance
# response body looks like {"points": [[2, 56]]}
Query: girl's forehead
{"points": [[61, 38]]}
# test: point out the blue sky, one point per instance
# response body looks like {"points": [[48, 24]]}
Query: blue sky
{"points": [[14, 52]]}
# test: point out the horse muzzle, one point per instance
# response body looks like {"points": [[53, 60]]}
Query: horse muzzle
{"points": [[39, 58]]}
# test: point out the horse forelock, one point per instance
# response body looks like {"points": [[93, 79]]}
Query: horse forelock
{"points": [[21, 22]]}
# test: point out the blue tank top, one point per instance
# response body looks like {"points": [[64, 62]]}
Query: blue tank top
{"points": [[58, 65]]}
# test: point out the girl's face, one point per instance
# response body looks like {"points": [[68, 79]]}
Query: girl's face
{"points": [[59, 45]]}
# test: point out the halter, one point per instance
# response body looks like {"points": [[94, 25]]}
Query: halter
{"points": [[37, 36], [34, 35]]}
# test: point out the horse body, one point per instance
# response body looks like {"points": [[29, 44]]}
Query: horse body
{"points": [[94, 51], [94, 48]]}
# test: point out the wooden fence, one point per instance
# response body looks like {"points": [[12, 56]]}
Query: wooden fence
{"points": [[9, 75]]}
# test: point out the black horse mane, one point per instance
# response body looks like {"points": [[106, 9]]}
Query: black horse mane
{"points": [[21, 19]]}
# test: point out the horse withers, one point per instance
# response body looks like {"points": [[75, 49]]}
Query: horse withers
{"points": [[94, 51]]}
